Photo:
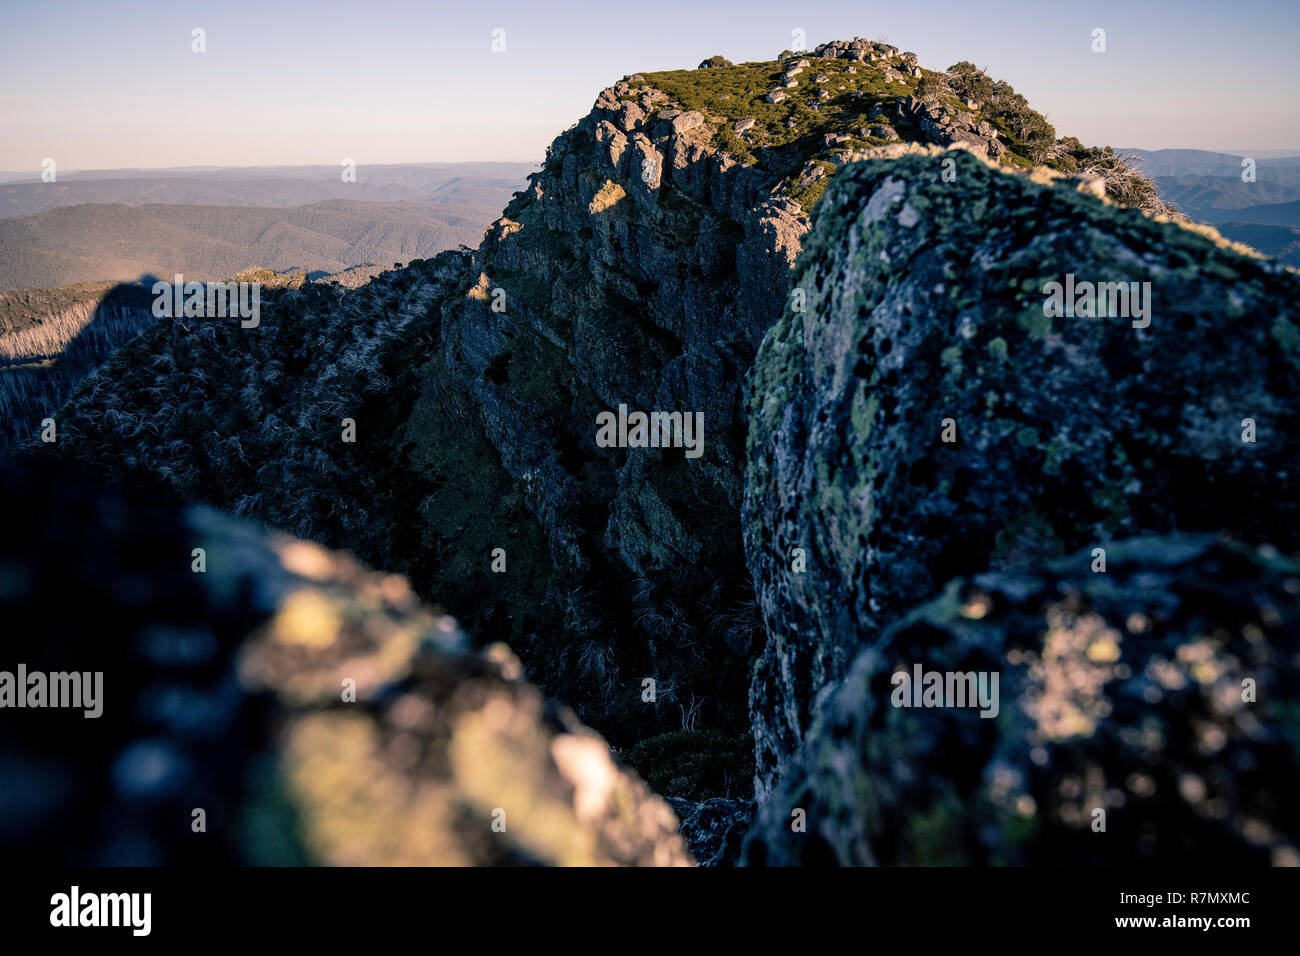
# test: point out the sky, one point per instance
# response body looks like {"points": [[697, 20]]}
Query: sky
{"points": [[99, 85]]}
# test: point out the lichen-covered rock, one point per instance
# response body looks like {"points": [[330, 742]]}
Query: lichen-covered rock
{"points": [[1146, 713], [640, 266], [264, 700], [926, 417]]}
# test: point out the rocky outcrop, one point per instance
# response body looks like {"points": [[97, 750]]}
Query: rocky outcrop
{"points": [[263, 700], [857, 49], [932, 414], [945, 127], [639, 268], [1144, 714]]}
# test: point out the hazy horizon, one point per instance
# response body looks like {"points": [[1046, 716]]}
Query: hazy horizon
{"points": [[18, 176], [313, 84]]}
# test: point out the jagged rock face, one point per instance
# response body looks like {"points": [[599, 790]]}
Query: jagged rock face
{"points": [[647, 265], [226, 691], [640, 267], [1145, 714], [924, 418]]}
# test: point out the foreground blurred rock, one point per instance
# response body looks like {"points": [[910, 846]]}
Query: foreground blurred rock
{"points": [[924, 418], [1157, 699], [224, 692]]}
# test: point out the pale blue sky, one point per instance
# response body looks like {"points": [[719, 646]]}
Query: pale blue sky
{"points": [[102, 85]]}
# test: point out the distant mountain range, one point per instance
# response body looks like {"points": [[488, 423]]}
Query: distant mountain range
{"points": [[453, 184], [210, 224], [1209, 187], [97, 242]]}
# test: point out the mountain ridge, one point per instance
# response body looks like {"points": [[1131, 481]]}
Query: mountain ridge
{"points": [[645, 264]]}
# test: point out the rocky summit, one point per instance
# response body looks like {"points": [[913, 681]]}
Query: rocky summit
{"points": [[929, 342]]}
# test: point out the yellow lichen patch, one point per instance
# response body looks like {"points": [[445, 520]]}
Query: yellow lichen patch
{"points": [[1079, 651], [306, 618], [319, 639], [584, 761], [498, 752], [307, 560], [1205, 673], [355, 808], [388, 657], [977, 606], [1103, 650], [1202, 660]]}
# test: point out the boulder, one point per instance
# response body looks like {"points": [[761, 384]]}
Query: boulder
{"points": [[682, 122], [276, 704], [1145, 713], [932, 413]]}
